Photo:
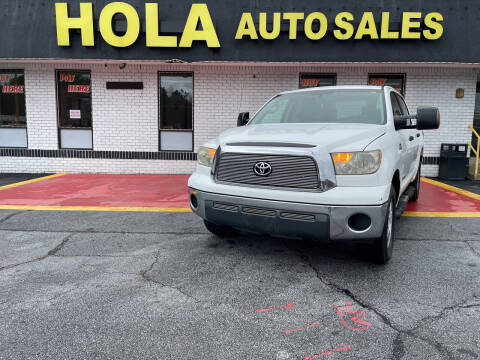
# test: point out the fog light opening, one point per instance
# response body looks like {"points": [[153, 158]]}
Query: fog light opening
{"points": [[359, 222], [193, 201]]}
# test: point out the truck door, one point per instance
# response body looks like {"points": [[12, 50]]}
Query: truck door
{"points": [[414, 140], [403, 140]]}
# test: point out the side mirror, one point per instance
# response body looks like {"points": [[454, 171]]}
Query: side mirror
{"points": [[428, 118], [243, 118], [405, 122]]}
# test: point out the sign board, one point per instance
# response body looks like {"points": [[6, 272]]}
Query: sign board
{"points": [[75, 114], [12, 89], [243, 30], [393, 80]]}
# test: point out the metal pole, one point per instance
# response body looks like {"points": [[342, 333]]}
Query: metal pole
{"points": [[477, 155]]}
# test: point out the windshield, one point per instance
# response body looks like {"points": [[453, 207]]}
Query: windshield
{"points": [[324, 106]]}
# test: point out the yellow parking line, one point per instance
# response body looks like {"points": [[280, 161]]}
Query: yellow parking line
{"points": [[4, 187], [448, 214], [94, 208], [452, 188]]}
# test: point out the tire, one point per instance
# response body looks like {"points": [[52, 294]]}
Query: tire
{"points": [[416, 184], [219, 230], [383, 246]]}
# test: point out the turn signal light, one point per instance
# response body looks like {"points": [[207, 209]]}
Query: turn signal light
{"points": [[205, 156], [341, 157], [211, 153]]}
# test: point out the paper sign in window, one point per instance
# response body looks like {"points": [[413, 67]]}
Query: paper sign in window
{"points": [[75, 114]]}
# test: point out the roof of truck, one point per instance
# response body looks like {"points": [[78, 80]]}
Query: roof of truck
{"points": [[340, 87]]}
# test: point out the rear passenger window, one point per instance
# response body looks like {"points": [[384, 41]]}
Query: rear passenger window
{"points": [[397, 111]]}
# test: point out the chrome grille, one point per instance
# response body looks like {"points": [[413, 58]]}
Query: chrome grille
{"points": [[287, 171], [297, 216], [259, 211], [226, 207]]}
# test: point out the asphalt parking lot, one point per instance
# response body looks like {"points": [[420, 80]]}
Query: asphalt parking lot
{"points": [[126, 285]]}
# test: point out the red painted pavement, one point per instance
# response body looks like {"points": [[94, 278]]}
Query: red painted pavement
{"points": [[435, 199], [102, 190], [170, 191]]}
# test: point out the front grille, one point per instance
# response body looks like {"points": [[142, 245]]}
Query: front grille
{"points": [[265, 212], [226, 207], [287, 171], [297, 216], [259, 211]]}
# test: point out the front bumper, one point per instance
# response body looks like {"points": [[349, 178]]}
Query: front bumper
{"points": [[284, 218]]}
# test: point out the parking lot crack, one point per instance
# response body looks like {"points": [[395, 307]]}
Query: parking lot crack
{"points": [[59, 247], [9, 216], [430, 319], [398, 343], [472, 248], [51, 252], [347, 292], [145, 276]]}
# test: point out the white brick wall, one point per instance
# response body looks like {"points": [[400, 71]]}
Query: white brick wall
{"points": [[125, 119], [128, 119], [111, 166], [41, 107]]}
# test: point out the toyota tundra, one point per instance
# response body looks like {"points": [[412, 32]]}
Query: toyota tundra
{"points": [[329, 163]]}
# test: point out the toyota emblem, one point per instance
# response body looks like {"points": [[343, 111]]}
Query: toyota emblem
{"points": [[262, 168]]}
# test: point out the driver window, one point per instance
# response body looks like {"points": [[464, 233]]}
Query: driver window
{"points": [[402, 104], [397, 111]]}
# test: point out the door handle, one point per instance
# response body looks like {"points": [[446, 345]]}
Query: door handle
{"points": [[411, 138], [418, 134]]}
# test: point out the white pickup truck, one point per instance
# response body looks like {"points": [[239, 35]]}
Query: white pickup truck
{"points": [[331, 163]]}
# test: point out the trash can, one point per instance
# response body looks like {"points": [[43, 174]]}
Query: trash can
{"points": [[453, 161]]}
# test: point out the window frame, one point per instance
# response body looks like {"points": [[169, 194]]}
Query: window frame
{"points": [[393, 99], [175, 73], [401, 101], [25, 94], [58, 102], [402, 75], [59, 128], [321, 74]]}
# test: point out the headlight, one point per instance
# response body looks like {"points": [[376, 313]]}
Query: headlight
{"points": [[205, 156], [357, 163]]}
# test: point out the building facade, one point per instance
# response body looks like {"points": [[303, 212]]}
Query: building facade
{"points": [[109, 109]]}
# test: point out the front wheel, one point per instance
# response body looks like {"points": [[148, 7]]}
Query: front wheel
{"points": [[383, 246]]}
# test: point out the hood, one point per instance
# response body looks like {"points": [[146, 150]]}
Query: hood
{"points": [[335, 137]]}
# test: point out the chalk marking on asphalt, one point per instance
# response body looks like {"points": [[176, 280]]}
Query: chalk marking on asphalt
{"points": [[452, 188], [445, 214], [95, 208], [281, 307], [355, 316], [314, 325], [343, 348], [9, 186]]}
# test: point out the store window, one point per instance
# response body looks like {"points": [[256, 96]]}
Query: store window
{"points": [[316, 80], [74, 109], [397, 81], [13, 121], [176, 111]]}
